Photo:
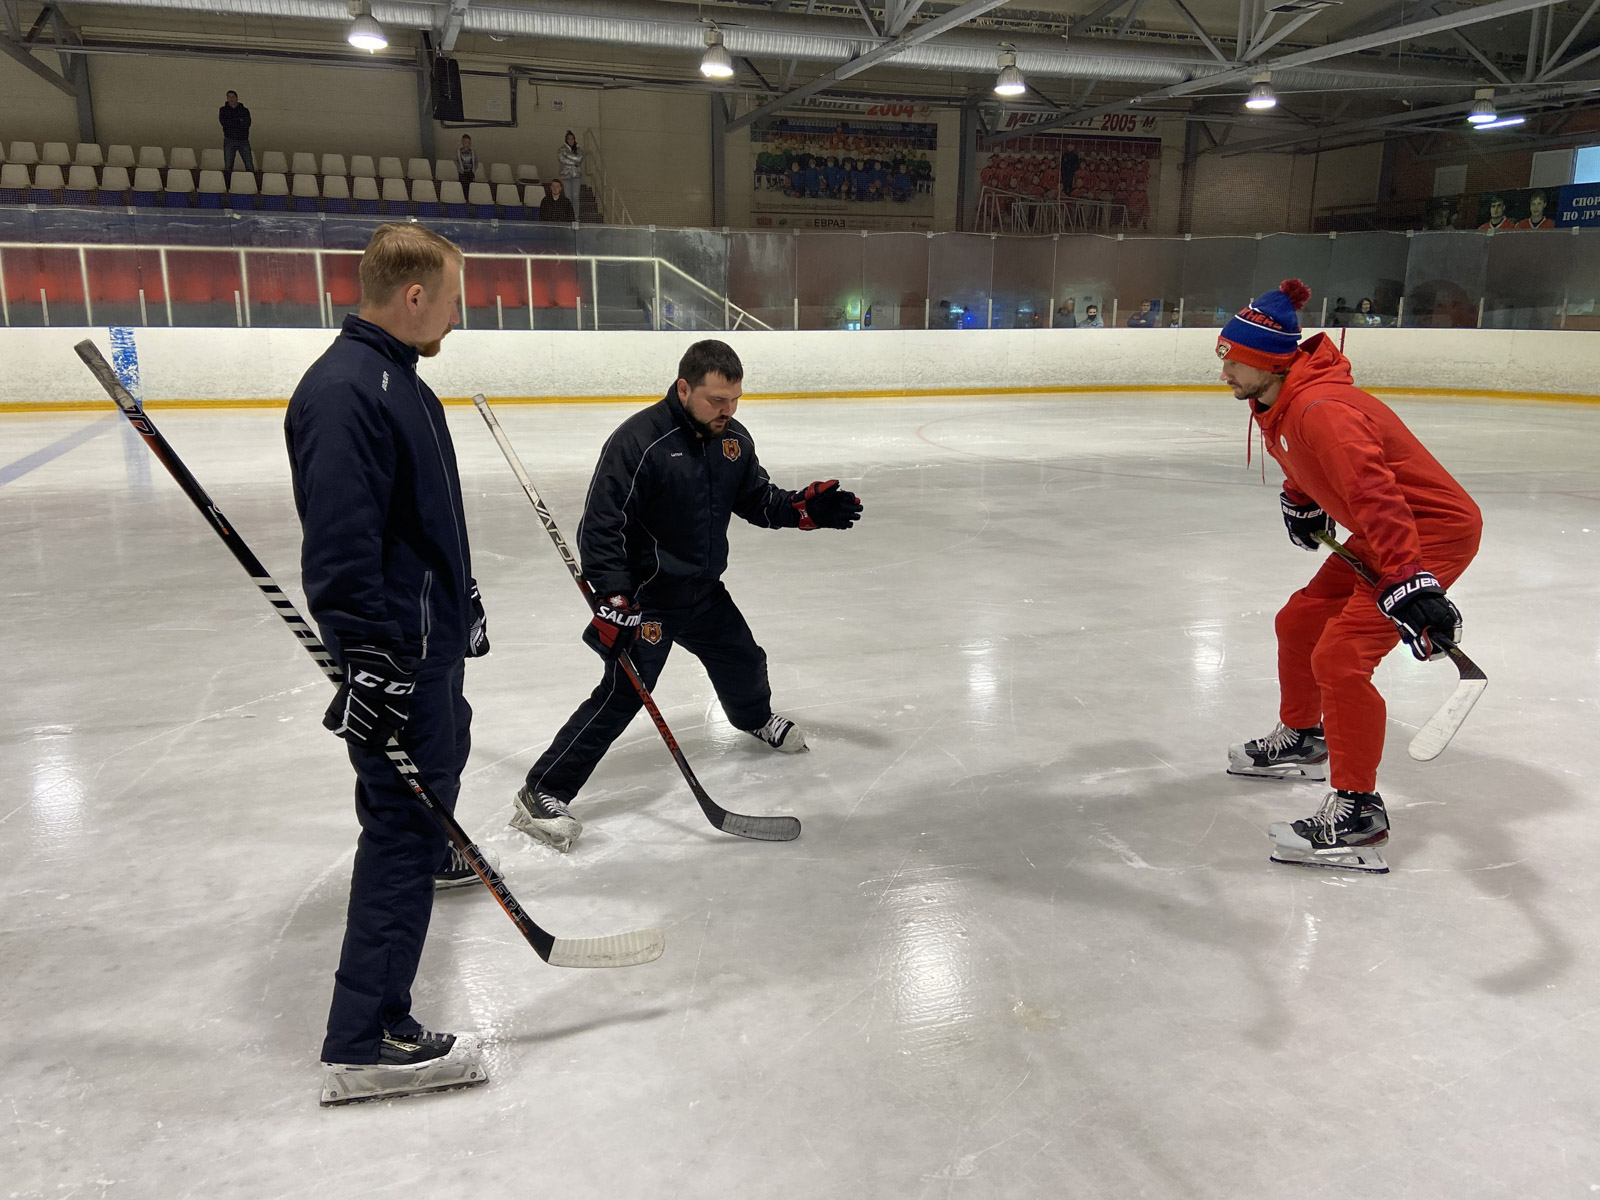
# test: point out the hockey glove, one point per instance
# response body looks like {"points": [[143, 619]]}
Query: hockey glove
{"points": [[374, 701], [1305, 521], [825, 505], [615, 625], [1423, 614], [478, 631]]}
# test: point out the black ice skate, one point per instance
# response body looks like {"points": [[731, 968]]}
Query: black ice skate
{"points": [[781, 734], [544, 818], [1346, 832], [458, 873], [1283, 754], [406, 1066]]}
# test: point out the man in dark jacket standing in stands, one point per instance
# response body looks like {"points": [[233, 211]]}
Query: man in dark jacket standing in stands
{"points": [[654, 544], [388, 578], [235, 121]]}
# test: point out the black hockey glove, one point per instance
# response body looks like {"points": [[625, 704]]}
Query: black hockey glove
{"points": [[1423, 614], [825, 505], [615, 625], [1304, 522], [374, 701], [478, 631]]}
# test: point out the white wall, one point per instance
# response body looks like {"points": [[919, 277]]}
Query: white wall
{"points": [[38, 367]]}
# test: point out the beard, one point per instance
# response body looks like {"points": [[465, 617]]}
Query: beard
{"points": [[709, 429]]}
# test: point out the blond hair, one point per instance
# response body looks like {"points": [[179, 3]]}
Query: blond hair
{"points": [[400, 254]]}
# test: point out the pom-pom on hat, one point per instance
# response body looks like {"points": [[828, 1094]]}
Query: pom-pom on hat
{"points": [[1266, 333]]}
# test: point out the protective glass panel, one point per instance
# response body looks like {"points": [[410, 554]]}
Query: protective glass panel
{"points": [[43, 286], [1217, 273], [579, 293], [897, 281], [831, 277], [960, 273], [1367, 266], [762, 278], [206, 287], [125, 287], [1582, 307], [1302, 256], [282, 289], [694, 270], [495, 293], [1023, 282], [1148, 275], [341, 285], [1526, 278], [1444, 280], [1085, 281]]}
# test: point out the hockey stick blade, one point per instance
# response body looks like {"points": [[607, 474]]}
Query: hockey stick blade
{"points": [[1436, 733], [620, 950], [760, 829]]}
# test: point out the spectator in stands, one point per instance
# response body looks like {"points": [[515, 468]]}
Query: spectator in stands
{"points": [[1145, 318], [1091, 318], [1067, 315], [1341, 311], [571, 172], [466, 161], [555, 206], [235, 121], [1364, 314]]}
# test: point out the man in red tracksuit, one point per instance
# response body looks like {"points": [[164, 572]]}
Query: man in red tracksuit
{"points": [[1347, 460]]}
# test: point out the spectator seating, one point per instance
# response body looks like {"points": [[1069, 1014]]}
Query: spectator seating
{"points": [[146, 186], [362, 166], [114, 186], [180, 186], [527, 173], [274, 160], [426, 198], [24, 153], [418, 168], [364, 193], [390, 168], [305, 164], [480, 200], [47, 181], [444, 170], [510, 203], [183, 156], [14, 183], [242, 190], [211, 159], [55, 154], [395, 199], [152, 156], [274, 190], [212, 188], [89, 155], [336, 193], [333, 164], [80, 182], [453, 198], [500, 173], [303, 193], [531, 195], [120, 156]]}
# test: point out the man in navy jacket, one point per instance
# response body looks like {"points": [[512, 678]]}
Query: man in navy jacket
{"points": [[654, 545], [388, 578]]}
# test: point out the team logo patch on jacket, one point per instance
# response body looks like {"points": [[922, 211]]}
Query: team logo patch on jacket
{"points": [[650, 631], [731, 449]]}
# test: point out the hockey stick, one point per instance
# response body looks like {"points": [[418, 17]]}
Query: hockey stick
{"points": [[618, 950], [1434, 736], [761, 829]]}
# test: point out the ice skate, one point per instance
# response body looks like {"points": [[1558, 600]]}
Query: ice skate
{"points": [[426, 1062], [545, 819], [458, 873], [1347, 833], [781, 734], [1283, 754]]}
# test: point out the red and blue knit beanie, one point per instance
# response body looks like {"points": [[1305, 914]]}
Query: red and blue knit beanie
{"points": [[1266, 333]]}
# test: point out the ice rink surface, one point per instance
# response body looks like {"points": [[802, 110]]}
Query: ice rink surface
{"points": [[1029, 944]]}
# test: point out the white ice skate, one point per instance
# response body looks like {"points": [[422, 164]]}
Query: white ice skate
{"points": [[781, 734], [459, 874], [1346, 833], [1283, 754], [428, 1062], [545, 819]]}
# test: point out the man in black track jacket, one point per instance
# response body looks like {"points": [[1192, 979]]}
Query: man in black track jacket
{"points": [[388, 578], [654, 545]]}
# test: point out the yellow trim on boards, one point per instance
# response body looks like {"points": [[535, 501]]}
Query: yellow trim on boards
{"points": [[887, 394]]}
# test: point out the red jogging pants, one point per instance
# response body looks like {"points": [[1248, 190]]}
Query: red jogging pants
{"points": [[1331, 638]]}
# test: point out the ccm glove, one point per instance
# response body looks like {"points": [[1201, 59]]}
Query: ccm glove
{"points": [[615, 625], [374, 701], [1305, 521], [478, 631], [1423, 614], [825, 505]]}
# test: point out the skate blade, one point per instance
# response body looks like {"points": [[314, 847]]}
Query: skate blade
{"points": [[560, 832], [355, 1084], [1310, 772], [1367, 861], [447, 883]]}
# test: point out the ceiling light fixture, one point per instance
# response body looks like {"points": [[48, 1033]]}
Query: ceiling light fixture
{"points": [[1010, 81], [365, 33], [1482, 111], [1501, 123], [717, 63], [1261, 97]]}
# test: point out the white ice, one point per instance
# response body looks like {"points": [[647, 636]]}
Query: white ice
{"points": [[1029, 944]]}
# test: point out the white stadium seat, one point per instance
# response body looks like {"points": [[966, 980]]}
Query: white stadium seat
{"points": [[479, 193], [445, 168], [212, 183], [500, 173], [390, 168], [333, 164], [25, 153], [335, 187], [505, 194], [305, 186], [119, 156], [152, 156], [423, 191], [305, 164], [55, 154], [532, 194], [276, 161], [273, 183], [148, 179], [183, 156], [48, 176], [527, 173], [417, 168], [179, 179], [14, 177], [242, 184], [114, 179], [394, 191], [211, 160], [88, 155], [364, 187], [450, 192], [81, 178], [363, 166]]}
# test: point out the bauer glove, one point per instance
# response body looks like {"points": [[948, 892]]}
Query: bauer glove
{"points": [[825, 505], [374, 701], [613, 628], [1305, 521], [1427, 620], [478, 631]]}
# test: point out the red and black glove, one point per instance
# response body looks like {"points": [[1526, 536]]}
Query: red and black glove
{"points": [[1427, 620], [825, 505], [1305, 521], [613, 628]]}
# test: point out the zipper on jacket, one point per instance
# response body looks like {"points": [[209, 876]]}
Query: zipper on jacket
{"points": [[427, 614]]}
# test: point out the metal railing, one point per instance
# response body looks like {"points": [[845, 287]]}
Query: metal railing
{"points": [[612, 207], [1013, 212]]}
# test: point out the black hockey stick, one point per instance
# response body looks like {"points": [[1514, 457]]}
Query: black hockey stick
{"points": [[618, 950], [1434, 736], [761, 829]]}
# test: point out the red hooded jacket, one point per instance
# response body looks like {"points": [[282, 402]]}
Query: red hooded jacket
{"points": [[1345, 449]]}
